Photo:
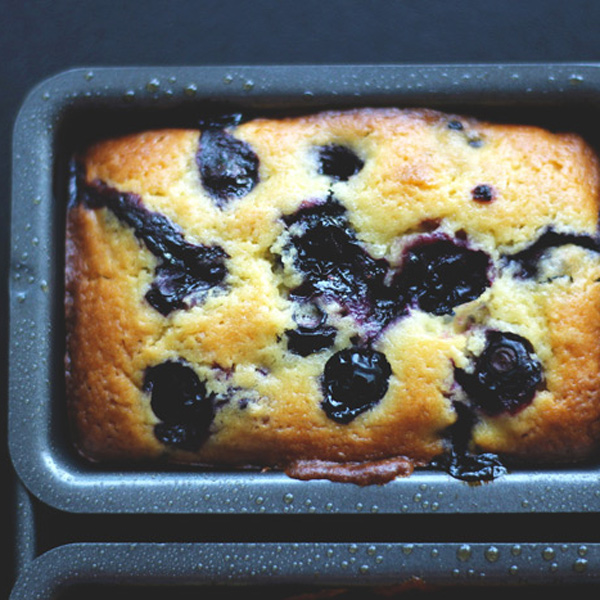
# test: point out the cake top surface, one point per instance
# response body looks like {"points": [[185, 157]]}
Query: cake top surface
{"points": [[344, 286]]}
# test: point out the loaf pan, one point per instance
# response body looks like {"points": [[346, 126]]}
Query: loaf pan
{"points": [[94, 566], [74, 108], [287, 570]]}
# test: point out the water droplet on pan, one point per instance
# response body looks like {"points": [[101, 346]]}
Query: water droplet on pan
{"points": [[580, 565], [464, 553], [548, 553], [492, 554], [153, 85], [575, 79]]}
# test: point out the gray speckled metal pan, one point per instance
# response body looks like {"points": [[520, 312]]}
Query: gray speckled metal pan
{"points": [[302, 567], [278, 570], [75, 106]]}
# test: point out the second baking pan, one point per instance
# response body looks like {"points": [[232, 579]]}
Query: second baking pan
{"points": [[78, 106], [287, 571]]}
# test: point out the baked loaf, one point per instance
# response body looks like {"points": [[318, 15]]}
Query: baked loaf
{"points": [[335, 293]]}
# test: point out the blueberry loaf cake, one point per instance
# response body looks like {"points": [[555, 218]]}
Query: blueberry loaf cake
{"points": [[346, 295]]}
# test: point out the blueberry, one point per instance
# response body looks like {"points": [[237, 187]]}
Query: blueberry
{"points": [[388, 306], [438, 275], [219, 120], [304, 341], [184, 436], [228, 166], [455, 125], [176, 392], [483, 193], [186, 271], [322, 234], [472, 468], [326, 242], [506, 375], [180, 284], [323, 240], [472, 138], [180, 400], [312, 334], [527, 260], [332, 260], [338, 162], [459, 462], [354, 380], [174, 288]]}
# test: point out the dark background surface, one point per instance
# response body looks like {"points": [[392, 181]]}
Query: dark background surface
{"points": [[40, 38]]}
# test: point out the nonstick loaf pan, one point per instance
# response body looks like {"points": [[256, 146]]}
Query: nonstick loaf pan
{"points": [[288, 571], [74, 108], [365, 570], [62, 567]]}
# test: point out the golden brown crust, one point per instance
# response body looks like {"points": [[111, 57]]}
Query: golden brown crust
{"points": [[417, 171], [151, 162], [102, 342]]}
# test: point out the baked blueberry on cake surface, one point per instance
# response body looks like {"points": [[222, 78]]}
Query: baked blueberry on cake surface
{"points": [[346, 295]]}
